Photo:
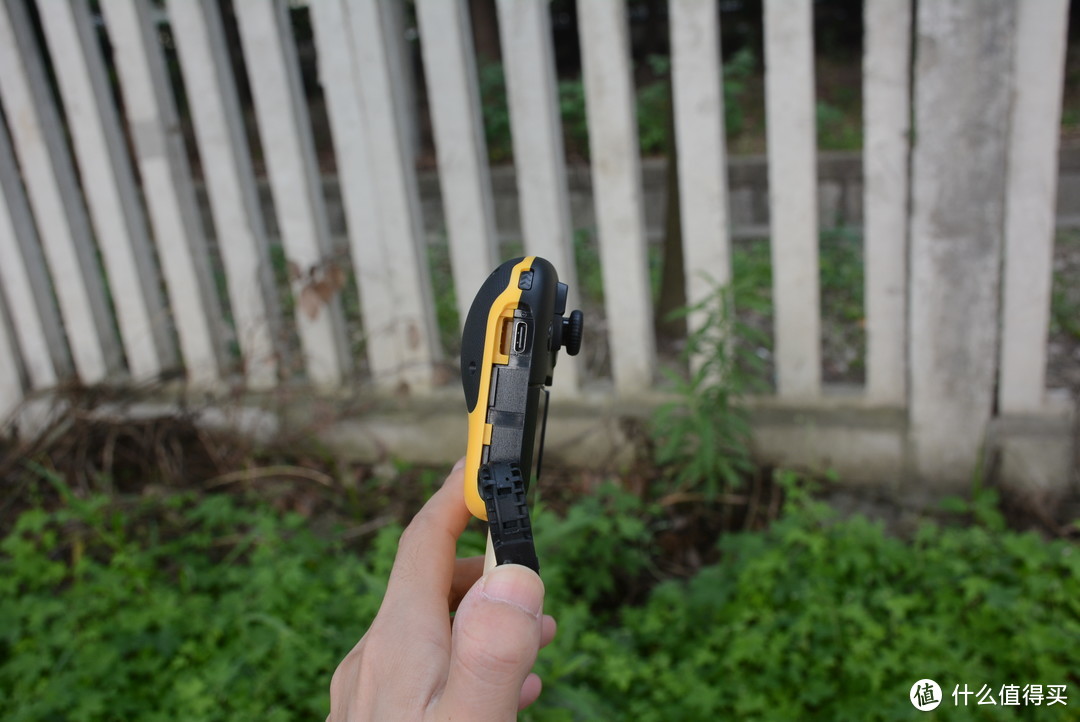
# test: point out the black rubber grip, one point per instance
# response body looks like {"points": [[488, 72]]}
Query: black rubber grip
{"points": [[502, 488]]}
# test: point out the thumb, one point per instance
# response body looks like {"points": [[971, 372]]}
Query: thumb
{"points": [[495, 640]]}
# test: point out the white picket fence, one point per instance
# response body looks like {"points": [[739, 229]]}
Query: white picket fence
{"points": [[103, 252]]}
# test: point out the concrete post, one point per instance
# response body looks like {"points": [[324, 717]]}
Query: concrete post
{"points": [[962, 96]]}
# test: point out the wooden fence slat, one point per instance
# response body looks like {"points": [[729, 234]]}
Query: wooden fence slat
{"points": [[348, 125], [25, 281], [887, 124], [1030, 203], [54, 197], [791, 139], [464, 177], [697, 87], [170, 197], [539, 156], [285, 129], [11, 391], [397, 198], [234, 205], [108, 182], [616, 173]]}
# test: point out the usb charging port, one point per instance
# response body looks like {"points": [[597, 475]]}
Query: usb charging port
{"points": [[521, 336]]}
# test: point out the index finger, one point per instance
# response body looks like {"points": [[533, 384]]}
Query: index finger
{"points": [[424, 566]]}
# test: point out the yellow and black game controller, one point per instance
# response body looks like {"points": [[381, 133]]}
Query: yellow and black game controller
{"points": [[512, 336]]}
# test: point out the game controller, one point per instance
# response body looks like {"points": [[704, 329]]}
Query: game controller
{"points": [[513, 332]]}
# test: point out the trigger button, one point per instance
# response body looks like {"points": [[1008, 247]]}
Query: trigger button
{"points": [[560, 298]]}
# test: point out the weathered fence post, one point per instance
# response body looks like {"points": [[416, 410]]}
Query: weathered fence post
{"points": [[401, 224], [962, 94], [10, 383], [886, 153], [1029, 208], [792, 145], [26, 287], [64, 228], [539, 157], [226, 164], [167, 188], [698, 95], [616, 174], [109, 186], [464, 176], [285, 129]]}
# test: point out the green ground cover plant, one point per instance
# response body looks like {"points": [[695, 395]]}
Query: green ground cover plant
{"points": [[220, 607], [827, 618]]}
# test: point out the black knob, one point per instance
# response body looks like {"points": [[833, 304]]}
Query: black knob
{"points": [[572, 328]]}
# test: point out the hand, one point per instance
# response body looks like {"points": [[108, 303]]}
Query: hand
{"points": [[418, 663]]}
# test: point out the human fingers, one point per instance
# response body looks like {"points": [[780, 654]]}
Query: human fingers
{"points": [[548, 627], [424, 567], [532, 686], [497, 633], [413, 623], [466, 572], [530, 690]]}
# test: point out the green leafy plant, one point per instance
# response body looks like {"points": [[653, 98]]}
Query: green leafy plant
{"points": [[842, 289], [445, 296], [575, 124], [183, 608], [836, 129], [1070, 118], [703, 437], [738, 71], [651, 106], [222, 607], [842, 275], [495, 111], [607, 532], [587, 261], [827, 618], [1065, 295]]}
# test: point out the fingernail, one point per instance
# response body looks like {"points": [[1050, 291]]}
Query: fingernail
{"points": [[515, 585], [459, 465]]}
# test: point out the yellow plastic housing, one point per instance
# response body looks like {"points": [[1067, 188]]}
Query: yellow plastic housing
{"points": [[497, 340]]}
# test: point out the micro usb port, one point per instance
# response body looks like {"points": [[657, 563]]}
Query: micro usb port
{"points": [[521, 336]]}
